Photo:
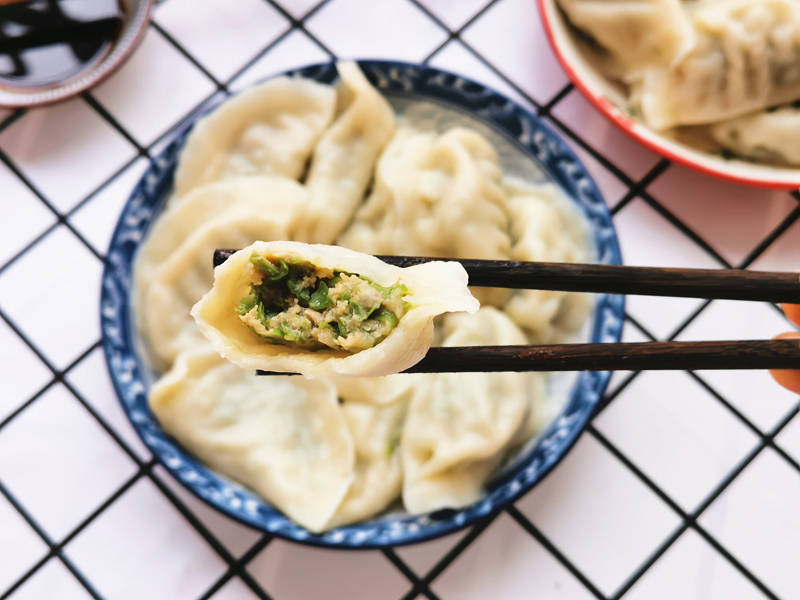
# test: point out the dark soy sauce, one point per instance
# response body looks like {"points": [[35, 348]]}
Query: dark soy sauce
{"points": [[43, 42]]}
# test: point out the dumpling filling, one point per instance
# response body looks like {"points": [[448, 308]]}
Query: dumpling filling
{"points": [[293, 301]]}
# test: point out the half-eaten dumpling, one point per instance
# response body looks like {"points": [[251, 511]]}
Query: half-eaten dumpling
{"points": [[325, 310]]}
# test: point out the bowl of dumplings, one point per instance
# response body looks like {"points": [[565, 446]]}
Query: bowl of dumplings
{"points": [[711, 84], [321, 168]]}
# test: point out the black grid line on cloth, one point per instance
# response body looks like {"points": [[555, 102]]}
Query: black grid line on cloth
{"points": [[16, 114], [452, 34], [419, 585], [198, 65], [240, 563], [528, 526], [416, 582], [689, 520], [59, 217], [451, 555], [54, 549], [299, 23]]}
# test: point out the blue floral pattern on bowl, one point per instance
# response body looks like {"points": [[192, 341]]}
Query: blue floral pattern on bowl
{"points": [[131, 375]]}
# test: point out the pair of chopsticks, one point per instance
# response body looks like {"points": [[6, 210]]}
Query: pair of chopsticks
{"points": [[723, 284]]}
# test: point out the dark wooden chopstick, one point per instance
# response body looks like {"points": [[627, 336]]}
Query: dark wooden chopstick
{"points": [[652, 356], [724, 284]]}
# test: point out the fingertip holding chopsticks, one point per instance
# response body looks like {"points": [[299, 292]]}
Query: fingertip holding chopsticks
{"points": [[722, 284]]}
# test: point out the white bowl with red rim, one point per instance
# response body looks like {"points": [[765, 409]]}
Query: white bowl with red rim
{"points": [[609, 99]]}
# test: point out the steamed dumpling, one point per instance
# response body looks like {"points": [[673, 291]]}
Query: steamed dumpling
{"points": [[168, 285], [285, 437], [237, 195], [548, 228], [269, 129], [380, 391], [436, 195], [182, 280], [769, 136], [638, 33], [376, 431], [326, 310], [460, 424], [341, 168], [746, 58]]}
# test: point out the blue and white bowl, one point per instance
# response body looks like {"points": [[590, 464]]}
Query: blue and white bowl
{"points": [[527, 148]]}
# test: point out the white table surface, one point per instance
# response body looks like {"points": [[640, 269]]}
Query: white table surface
{"points": [[686, 486]]}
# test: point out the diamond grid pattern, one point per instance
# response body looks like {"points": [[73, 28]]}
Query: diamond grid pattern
{"points": [[464, 37]]}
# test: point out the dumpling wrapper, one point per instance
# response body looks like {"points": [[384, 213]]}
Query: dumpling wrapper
{"points": [[284, 437], [182, 279], [436, 195], [255, 194], [768, 136], [745, 59], [343, 160], [638, 33], [434, 288], [459, 425], [378, 475], [378, 391], [269, 129], [547, 227]]}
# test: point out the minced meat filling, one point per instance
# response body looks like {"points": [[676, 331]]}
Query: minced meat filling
{"points": [[292, 301]]}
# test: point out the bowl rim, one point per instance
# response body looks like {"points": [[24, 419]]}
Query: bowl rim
{"points": [[118, 330], [633, 128], [131, 36]]}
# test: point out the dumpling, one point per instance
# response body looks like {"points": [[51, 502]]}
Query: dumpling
{"points": [[341, 168], [541, 411], [547, 227], [440, 194], [325, 310], [379, 391], [770, 136], [746, 58], [270, 129], [284, 437], [237, 195], [638, 33], [376, 431], [459, 425], [436, 195], [185, 275]]}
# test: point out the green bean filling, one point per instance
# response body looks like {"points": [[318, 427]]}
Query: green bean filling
{"points": [[292, 301]]}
